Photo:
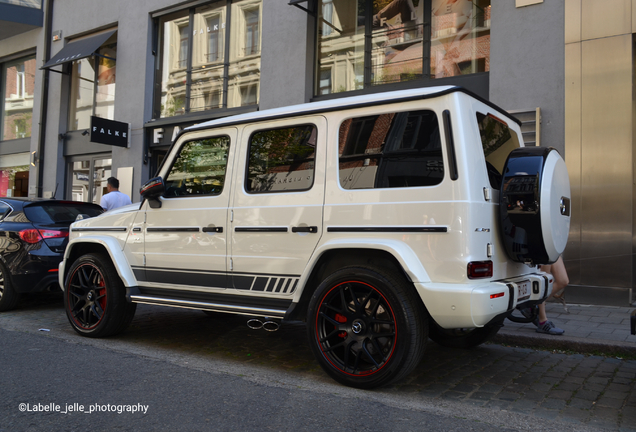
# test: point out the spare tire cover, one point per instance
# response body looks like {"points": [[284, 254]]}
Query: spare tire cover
{"points": [[534, 205]]}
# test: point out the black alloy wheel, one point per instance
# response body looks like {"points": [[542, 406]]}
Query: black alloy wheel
{"points": [[366, 327], [95, 299], [87, 296]]}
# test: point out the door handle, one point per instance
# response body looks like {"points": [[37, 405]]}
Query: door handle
{"points": [[212, 229], [305, 229]]}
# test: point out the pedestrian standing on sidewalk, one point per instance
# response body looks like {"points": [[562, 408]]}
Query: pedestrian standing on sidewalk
{"points": [[561, 280], [114, 198]]}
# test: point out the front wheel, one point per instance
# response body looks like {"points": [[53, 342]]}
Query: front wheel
{"points": [[366, 327], [95, 298], [462, 337]]}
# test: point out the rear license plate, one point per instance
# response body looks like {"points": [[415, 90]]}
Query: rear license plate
{"points": [[523, 290]]}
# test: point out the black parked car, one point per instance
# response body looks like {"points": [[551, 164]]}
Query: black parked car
{"points": [[33, 236]]}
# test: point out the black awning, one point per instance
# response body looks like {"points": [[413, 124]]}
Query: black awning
{"points": [[310, 6], [78, 50]]}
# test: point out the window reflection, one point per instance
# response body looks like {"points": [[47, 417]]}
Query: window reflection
{"points": [[216, 79], [282, 160], [391, 151], [199, 169], [460, 42], [405, 40]]}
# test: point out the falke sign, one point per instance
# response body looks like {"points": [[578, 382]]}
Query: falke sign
{"points": [[110, 132]]}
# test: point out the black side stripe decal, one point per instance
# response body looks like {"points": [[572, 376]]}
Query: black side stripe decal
{"points": [[117, 229], [188, 229], [257, 229], [389, 229]]}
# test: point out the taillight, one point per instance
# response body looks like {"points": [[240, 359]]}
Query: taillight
{"points": [[34, 236], [30, 235], [47, 234], [479, 269]]}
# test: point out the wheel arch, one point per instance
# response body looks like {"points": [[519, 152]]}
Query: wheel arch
{"points": [[104, 245], [329, 259]]}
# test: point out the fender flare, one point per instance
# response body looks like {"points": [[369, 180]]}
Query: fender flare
{"points": [[405, 256], [116, 254]]}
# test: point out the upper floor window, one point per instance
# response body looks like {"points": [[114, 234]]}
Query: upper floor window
{"points": [[17, 90], [364, 43], [215, 73]]}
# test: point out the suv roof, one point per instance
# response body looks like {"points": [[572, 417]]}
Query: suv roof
{"points": [[342, 104]]}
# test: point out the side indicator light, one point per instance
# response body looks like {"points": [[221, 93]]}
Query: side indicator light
{"points": [[494, 296]]}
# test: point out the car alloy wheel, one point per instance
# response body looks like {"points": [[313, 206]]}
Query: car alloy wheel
{"points": [[87, 296], [356, 328]]}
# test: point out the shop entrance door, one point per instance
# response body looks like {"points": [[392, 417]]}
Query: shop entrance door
{"points": [[88, 176]]}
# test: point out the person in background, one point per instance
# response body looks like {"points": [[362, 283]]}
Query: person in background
{"points": [[561, 280], [114, 198]]}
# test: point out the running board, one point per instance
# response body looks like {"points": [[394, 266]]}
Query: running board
{"points": [[203, 305]]}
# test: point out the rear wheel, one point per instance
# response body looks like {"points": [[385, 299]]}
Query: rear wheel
{"points": [[366, 327], [462, 337], [95, 298], [8, 296]]}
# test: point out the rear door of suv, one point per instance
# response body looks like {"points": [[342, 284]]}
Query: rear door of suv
{"points": [[277, 209]]}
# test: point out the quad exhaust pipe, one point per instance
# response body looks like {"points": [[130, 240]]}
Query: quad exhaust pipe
{"points": [[267, 324]]}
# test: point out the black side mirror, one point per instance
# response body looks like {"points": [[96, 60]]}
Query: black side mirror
{"points": [[152, 190]]}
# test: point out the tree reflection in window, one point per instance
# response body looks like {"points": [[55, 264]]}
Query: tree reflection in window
{"points": [[199, 169], [282, 159]]}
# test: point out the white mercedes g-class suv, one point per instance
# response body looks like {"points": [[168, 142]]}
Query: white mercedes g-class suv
{"points": [[380, 220]]}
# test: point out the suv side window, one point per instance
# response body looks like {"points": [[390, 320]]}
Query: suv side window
{"points": [[497, 141], [199, 169], [391, 151], [281, 160]]}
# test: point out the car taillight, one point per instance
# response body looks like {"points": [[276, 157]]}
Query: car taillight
{"points": [[47, 234], [30, 235], [34, 236], [479, 269]]}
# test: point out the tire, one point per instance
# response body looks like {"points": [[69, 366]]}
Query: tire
{"points": [[462, 338], [95, 298], [534, 206], [8, 295], [366, 327]]}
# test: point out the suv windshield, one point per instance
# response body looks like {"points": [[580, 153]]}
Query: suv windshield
{"points": [[497, 141], [60, 212]]}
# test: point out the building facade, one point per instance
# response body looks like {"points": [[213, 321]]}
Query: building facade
{"points": [[78, 70]]}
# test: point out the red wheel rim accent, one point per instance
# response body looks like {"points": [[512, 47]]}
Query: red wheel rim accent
{"points": [[86, 295], [364, 343]]}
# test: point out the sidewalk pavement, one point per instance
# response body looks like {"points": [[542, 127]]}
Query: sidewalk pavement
{"points": [[588, 329]]}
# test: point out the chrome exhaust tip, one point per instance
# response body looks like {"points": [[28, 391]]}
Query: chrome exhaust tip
{"points": [[265, 324]]}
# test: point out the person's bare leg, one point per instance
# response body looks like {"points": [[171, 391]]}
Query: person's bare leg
{"points": [[561, 280]]}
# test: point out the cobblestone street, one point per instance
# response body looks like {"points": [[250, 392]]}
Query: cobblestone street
{"points": [[578, 390]]}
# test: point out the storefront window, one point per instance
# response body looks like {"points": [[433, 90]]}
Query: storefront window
{"points": [[17, 89], [14, 175], [207, 77], [460, 40], [93, 87], [89, 177], [365, 43]]}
